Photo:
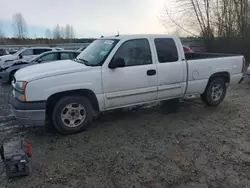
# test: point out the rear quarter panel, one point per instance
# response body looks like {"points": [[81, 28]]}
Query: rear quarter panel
{"points": [[199, 71]]}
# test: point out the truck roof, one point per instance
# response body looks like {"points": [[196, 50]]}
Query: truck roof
{"points": [[126, 37]]}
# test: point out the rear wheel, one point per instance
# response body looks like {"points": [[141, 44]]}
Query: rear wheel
{"points": [[215, 92], [72, 114]]}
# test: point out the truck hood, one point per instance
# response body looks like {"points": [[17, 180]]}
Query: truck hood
{"points": [[7, 57], [44, 70]]}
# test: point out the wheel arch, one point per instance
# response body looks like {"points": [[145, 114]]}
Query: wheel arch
{"points": [[223, 74], [89, 94]]}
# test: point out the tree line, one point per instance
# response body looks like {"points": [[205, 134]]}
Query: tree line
{"points": [[20, 29], [209, 18], [223, 24]]}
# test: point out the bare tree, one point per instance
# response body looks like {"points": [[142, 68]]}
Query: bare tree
{"points": [[72, 32], [57, 32], [69, 31], [20, 27], [62, 31], [1, 31], [48, 33], [226, 18]]}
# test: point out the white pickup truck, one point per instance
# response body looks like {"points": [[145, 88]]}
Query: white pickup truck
{"points": [[117, 72]]}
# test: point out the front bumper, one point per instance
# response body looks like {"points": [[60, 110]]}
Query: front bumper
{"points": [[4, 77], [32, 114]]}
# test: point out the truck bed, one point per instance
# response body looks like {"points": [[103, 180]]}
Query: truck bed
{"points": [[198, 55]]}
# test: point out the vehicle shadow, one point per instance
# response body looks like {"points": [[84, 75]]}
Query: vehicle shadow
{"points": [[187, 109]]}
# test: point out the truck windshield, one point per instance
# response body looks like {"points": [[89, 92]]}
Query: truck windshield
{"points": [[97, 52]]}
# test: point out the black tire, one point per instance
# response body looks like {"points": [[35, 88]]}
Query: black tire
{"points": [[59, 107], [207, 97]]}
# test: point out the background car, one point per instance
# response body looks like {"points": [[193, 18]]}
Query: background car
{"points": [[8, 70], [25, 53], [187, 50], [3, 52], [12, 51]]}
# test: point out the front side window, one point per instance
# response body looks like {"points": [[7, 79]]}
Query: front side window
{"points": [[27, 52], [97, 52], [49, 57], [135, 52], [166, 50]]}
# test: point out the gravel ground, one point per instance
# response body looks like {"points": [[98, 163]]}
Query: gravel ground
{"points": [[196, 147]]}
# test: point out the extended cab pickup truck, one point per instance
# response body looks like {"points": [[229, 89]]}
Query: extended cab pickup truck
{"points": [[117, 72]]}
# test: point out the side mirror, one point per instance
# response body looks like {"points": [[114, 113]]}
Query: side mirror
{"points": [[39, 61], [20, 56], [116, 63]]}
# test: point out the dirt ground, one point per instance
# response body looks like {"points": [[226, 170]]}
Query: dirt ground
{"points": [[197, 147]]}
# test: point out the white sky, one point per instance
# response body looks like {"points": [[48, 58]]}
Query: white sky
{"points": [[101, 16]]}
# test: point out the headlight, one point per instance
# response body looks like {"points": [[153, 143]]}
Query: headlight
{"points": [[21, 86], [20, 96], [20, 90]]}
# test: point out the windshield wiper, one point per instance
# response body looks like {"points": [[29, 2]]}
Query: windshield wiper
{"points": [[83, 60]]}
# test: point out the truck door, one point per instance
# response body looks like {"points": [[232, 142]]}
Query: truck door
{"points": [[171, 69], [134, 83]]}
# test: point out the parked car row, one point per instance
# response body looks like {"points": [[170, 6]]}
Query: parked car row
{"points": [[9, 68], [117, 72], [25, 54]]}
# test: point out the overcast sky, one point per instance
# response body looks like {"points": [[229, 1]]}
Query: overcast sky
{"points": [[90, 18]]}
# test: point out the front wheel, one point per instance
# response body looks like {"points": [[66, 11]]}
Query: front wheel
{"points": [[72, 114], [215, 92]]}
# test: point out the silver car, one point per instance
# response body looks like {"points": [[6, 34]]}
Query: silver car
{"points": [[8, 70]]}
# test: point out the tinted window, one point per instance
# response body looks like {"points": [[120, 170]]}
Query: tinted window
{"points": [[135, 52], [49, 57], [39, 51], [67, 55], [76, 54], [27, 52], [166, 50]]}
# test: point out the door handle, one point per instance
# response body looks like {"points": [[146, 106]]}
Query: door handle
{"points": [[151, 72]]}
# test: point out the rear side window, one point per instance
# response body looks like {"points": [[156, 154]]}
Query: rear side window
{"points": [[49, 57], [67, 55], [166, 50], [40, 51]]}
